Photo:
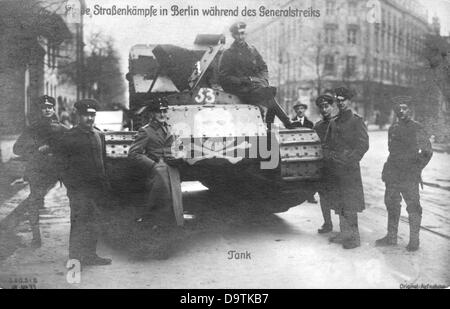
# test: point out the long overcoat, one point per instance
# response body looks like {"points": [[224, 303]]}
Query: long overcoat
{"points": [[83, 153], [350, 141], [151, 150]]}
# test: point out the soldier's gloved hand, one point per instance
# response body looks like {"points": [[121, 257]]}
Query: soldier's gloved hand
{"points": [[174, 162], [338, 159], [423, 157], [160, 164], [245, 81], [44, 149], [327, 153], [259, 81]]}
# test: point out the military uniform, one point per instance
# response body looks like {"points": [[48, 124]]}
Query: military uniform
{"points": [[243, 72], [327, 184], [83, 152], [152, 151], [349, 143], [42, 169], [409, 152]]}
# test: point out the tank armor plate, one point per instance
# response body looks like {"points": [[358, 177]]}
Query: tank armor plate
{"points": [[300, 154]]}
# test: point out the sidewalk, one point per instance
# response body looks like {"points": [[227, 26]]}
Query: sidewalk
{"points": [[11, 194]]}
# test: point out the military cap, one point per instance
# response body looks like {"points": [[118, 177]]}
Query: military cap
{"points": [[47, 100], [298, 104], [324, 98], [402, 100], [86, 106], [329, 92], [343, 94], [157, 105], [234, 29]]}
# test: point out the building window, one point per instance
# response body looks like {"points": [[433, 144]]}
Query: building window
{"points": [[394, 44], [330, 7], [389, 38], [381, 69], [351, 36], [329, 63], [388, 70], [377, 36], [351, 65], [393, 73], [330, 34], [352, 6], [298, 71], [375, 67]]}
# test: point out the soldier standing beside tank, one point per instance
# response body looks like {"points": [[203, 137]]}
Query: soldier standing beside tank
{"points": [[152, 151], [36, 145], [327, 185], [350, 141], [243, 72], [409, 152], [83, 152]]}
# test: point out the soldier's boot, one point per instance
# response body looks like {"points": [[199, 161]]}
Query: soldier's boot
{"points": [[353, 241], [36, 241], [343, 232], [275, 109], [414, 228], [33, 217], [392, 230], [95, 260], [328, 224]]}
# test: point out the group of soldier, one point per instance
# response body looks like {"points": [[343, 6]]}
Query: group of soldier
{"points": [[243, 72], [74, 156], [77, 157]]}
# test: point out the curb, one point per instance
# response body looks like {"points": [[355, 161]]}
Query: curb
{"points": [[12, 209], [441, 148]]}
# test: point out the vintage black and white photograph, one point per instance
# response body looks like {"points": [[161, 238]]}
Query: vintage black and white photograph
{"points": [[254, 144]]}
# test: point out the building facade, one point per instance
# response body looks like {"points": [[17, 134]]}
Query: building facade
{"points": [[373, 50], [35, 42]]}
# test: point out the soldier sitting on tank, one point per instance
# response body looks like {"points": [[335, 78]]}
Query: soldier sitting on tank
{"points": [[152, 151], [243, 72]]}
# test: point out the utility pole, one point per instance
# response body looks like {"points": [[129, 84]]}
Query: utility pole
{"points": [[78, 8]]}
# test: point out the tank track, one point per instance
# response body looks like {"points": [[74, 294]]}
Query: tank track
{"points": [[300, 154]]}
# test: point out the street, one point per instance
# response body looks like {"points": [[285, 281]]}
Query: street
{"points": [[227, 247]]}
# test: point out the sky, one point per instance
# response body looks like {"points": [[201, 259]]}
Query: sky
{"points": [[181, 30], [440, 8]]}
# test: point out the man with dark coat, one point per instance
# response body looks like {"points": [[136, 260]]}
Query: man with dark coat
{"points": [[83, 152], [37, 145], [350, 141], [300, 120], [243, 72], [409, 152], [152, 151], [327, 185]]}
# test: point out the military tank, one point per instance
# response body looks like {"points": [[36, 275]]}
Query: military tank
{"points": [[224, 142]]}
